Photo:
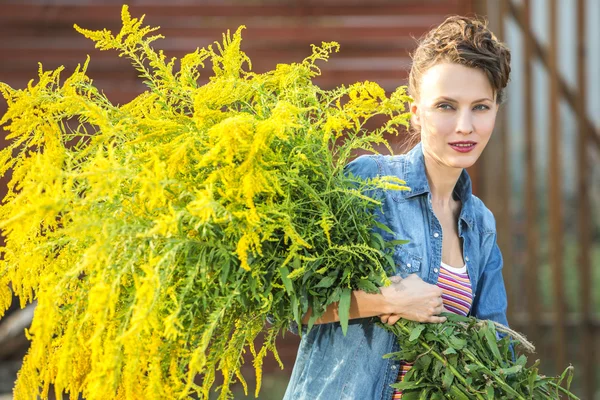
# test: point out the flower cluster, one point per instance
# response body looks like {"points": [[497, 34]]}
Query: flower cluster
{"points": [[158, 235]]}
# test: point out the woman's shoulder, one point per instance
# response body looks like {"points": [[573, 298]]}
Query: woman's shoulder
{"points": [[483, 217], [372, 165]]}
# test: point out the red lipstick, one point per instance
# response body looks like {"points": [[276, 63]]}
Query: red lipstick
{"points": [[463, 146]]}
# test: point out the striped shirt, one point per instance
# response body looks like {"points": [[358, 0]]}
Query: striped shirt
{"points": [[457, 296]]}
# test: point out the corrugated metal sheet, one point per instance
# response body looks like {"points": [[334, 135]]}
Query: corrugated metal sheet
{"points": [[375, 36]]}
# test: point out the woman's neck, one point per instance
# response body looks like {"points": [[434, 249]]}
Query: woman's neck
{"points": [[442, 180]]}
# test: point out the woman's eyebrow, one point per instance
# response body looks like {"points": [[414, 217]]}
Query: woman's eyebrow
{"points": [[450, 99]]}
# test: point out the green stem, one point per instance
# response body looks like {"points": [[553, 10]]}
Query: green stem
{"points": [[503, 384], [565, 391]]}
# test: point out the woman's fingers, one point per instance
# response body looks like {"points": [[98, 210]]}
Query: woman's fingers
{"points": [[384, 318], [436, 320], [391, 319]]}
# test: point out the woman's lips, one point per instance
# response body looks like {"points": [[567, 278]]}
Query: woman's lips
{"points": [[463, 147]]}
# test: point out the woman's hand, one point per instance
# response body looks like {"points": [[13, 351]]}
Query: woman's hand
{"points": [[413, 299]]}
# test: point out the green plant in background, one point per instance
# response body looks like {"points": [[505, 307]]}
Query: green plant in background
{"points": [[158, 235]]}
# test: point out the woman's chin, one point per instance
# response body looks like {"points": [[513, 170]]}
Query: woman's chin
{"points": [[463, 161]]}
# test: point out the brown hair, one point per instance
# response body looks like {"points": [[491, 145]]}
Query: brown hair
{"points": [[463, 41]]}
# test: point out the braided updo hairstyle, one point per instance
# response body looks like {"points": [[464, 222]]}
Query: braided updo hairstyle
{"points": [[464, 41]]}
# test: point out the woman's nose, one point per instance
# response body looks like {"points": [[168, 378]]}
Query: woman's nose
{"points": [[464, 124]]}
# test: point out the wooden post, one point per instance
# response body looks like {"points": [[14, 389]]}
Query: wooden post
{"points": [[531, 265], [555, 211], [568, 94], [583, 213], [504, 218]]}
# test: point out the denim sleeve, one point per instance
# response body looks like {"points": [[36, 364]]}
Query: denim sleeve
{"points": [[491, 294], [364, 167], [492, 301]]}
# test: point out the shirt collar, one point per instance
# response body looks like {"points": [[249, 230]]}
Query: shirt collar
{"points": [[416, 179]]}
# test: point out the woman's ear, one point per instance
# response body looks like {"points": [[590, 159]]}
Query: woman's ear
{"points": [[414, 110]]}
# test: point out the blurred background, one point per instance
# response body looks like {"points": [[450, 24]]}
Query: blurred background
{"points": [[540, 174]]}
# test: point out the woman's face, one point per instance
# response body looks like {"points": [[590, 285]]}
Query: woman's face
{"points": [[456, 110]]}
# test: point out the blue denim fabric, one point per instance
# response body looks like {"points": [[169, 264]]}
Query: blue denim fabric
{"points": [[332, 366]]}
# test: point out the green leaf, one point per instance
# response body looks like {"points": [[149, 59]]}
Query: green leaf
{"points": [[458, 392], [416, 332], [432, 337], [413, 395], [407, 385], [532, 378], [457, 343], [311, 321], [397, 242], [522, 360], [390, 260], [472, 367], [383, 227], [296, 311], [287, 282], [326, 282], [425, 394], [569, 378], [226, 266], [455, 317], [344, 308], [423, 362], [453, 360], [448, 378], [437, 396], [510, 371], [449, 350], [437, 369], [489, 392], [367, 286], [377, 241], [491, 341], [335, 296], [251, 283]]}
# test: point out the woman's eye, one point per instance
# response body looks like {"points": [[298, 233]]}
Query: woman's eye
{"points": [[481, 107], [445, 106]]}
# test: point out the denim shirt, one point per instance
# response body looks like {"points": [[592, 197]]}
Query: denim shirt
{"points": [[332, 366]]}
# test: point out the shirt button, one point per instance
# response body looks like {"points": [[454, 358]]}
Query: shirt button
{"points": [[467, 259], [393, 367], [436, 234], [435, 270], [408, 265]]}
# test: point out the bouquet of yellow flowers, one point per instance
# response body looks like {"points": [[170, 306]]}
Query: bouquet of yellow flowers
{"points": [[157, 236]]}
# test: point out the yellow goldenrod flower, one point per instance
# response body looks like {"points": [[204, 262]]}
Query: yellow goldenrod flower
{"points": [[158, 235]]}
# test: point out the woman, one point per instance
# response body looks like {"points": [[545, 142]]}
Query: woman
{"points": [[452, 261]]}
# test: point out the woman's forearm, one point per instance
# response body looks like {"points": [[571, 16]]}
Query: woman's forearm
{"points": [[362, 305]]}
